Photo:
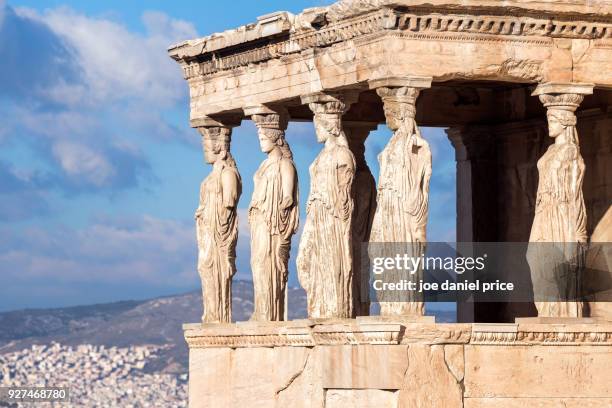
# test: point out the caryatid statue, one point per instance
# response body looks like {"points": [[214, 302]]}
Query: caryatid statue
{"points": [[273, 215], [364, 197], [558, 234], [325, 262], [403, 186], [217, 225]]}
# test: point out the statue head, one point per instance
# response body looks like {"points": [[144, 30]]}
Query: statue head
{"points": [[559, 120], [271, 132], [399, 105], [327, 125], [267, 139], [399, 114], [216, 143], [561, 114], [270, 139]]}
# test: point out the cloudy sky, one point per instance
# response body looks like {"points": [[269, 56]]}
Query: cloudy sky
{"points": [[99, 170]]}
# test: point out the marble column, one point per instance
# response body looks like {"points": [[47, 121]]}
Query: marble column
{"points": [[364, 197], [325, 259], [496, 188], [273, 214], [558, 233], [403, 189], [477, 218], [217, 222]]}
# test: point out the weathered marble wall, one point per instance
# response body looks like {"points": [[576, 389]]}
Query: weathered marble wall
{"points": [[366, 364]]}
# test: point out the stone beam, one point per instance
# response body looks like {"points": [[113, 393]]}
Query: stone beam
{"points": [[546, 41], [397, 82]]}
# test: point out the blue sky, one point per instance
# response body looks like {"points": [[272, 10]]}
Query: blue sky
{"points": [[99, 170]]}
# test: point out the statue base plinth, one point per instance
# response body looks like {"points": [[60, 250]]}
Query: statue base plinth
{"points": [[377, 362]]}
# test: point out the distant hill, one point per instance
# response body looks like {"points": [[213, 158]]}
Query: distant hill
{"points": [[156, 321]]}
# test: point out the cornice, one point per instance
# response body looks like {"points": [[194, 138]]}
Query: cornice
{"points": [[426, 23], [353, 332]]}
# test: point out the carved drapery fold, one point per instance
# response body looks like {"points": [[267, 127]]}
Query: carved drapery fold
{"points": [[400, 221], [558, 234], [273, 215], [325, 261], [217, 224]]}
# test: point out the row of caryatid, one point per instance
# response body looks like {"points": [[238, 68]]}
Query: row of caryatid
{"points": [[341, 207], [344, 209]]}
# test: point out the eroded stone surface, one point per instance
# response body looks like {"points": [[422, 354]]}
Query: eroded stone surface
{"points": [[365, 367], [210, 377], [453, 356], [537, 402], [551, 364], [527, 371], [428, 382], [361, 398]]}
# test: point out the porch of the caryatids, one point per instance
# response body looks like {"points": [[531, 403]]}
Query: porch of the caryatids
{"points": [[217, 222], [325, 260], [400, 222]]}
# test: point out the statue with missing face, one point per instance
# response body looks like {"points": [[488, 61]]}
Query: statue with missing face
{"points": [[217, 225], [273, 217]]}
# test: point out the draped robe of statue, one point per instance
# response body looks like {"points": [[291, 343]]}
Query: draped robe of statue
{"points": [[271, 230], [560, 221], [402, 207], [325, 254], [217, 233]]}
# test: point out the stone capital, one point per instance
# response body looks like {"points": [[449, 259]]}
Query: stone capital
{"points": [[562, 96], [399, 94], [268, 117], [337, 102], [228, 121], [557, 88], [400, 82], [216, 133]]}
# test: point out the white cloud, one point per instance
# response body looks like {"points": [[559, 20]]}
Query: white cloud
{"points": [[80, 160], [143, 250], [105, 85], [115, 62]]}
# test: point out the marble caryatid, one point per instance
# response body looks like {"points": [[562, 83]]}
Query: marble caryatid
{"points": [[558, 234], [400, 221], [273, 216], [217, 225], [325, 262], [364, 197]]}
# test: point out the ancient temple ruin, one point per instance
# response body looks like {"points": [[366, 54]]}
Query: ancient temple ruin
{"points": [[525, 91]]}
